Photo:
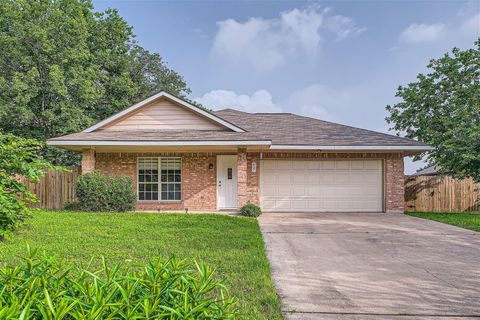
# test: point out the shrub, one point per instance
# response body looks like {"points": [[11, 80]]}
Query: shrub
{"points": [[45, 288], [99, 192], [250, 210], [20, 162]]}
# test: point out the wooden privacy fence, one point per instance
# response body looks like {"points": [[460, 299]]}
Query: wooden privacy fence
{"points": [[55, 189], [441, 193]]}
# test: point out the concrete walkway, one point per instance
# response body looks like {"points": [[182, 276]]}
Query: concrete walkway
{"points": [[372, 266]]}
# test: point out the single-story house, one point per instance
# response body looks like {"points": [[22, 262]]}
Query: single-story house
{"points": [[183, 157]]}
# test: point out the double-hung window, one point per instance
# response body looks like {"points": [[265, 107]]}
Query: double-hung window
{"points": [[160, 179]]}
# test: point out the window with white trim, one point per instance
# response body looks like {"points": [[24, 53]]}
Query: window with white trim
{"points": [[160, 179]]}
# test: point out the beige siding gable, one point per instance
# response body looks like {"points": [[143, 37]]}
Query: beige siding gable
{"points": [[162, 114]]}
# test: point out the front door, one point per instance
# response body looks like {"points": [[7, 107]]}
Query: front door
{"points": [[227, 182]]}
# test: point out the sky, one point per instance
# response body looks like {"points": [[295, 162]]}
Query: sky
{"points": [[340, 61]]}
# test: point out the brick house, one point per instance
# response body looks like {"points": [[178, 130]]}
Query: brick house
{"points": [[183, 157]]}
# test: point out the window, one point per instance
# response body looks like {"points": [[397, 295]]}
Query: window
{"points": [[171, 179], [166, 188]]}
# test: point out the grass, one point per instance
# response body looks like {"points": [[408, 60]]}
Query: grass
{"points": [[470, 220], [234, 245]]}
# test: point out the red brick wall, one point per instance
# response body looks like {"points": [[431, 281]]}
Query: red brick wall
{"points": [[253, 181], [198, 181], [88, 160], [394, 185], [242, 177]]}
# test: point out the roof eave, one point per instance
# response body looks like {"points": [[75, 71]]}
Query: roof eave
{"points": [[351, 148]]}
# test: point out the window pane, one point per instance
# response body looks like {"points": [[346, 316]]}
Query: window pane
{"points": [[148, 178]]}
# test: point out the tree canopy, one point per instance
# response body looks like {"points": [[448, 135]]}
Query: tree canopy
{"points": [[442, 108], [64, 67]]}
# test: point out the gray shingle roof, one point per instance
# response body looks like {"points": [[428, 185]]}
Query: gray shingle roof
{"points": [[291, 129], [280, 128]]}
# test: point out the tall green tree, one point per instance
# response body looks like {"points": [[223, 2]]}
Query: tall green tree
{"points": [[442, 108], [64, 67]]}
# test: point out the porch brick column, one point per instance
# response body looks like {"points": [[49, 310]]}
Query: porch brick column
{"points": [[242, 177], [88, 160], [394, 185]]}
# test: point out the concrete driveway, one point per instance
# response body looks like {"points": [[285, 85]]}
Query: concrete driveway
{"points": [[372, 266]]}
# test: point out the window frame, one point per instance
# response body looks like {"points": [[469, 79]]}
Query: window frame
{"points": [[159, 182]]}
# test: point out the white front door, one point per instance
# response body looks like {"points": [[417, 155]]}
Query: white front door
{"points": [[227, 182]]}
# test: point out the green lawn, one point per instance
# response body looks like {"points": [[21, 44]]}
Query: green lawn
{"points": [[234, 245], [470, 220]]}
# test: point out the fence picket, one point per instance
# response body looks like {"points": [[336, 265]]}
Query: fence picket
{"points": [[441, 193], [54, 189]]}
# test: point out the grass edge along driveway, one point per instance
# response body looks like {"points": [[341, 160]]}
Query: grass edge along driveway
{"points": [[466, 220], [234, 245]]}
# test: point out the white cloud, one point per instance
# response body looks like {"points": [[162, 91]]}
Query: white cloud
{"points": [[343, 26], [259, 101], [472, 25], [422, 32], [268, 43], [320, 101]]}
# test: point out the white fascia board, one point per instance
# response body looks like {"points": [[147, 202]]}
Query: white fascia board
{"points": [[171, 97], [155, 143], [346, 148]]}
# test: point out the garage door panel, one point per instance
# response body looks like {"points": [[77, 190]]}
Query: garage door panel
{"points": [[299, 191], [284, 177], [313, 165], [357, 165], [268, 204], [327, 177], [342, 177], [284, 191], [358, 179], [270, 178], [268, 165], [299, 165], [326, 164], [284, 164], [312, 191], [313, 177], [342, 165], [372, 165], [299, 204], [269, 190], [299, 178], [369, 179], [283, 204], [321, 185]]}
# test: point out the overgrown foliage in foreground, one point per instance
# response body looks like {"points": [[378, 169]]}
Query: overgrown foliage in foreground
{"points": [[45, 288], [18, 158], [234, 245], [467, 220]]}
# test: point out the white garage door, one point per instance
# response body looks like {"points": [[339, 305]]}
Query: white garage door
{"points": [[321, 185]]}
